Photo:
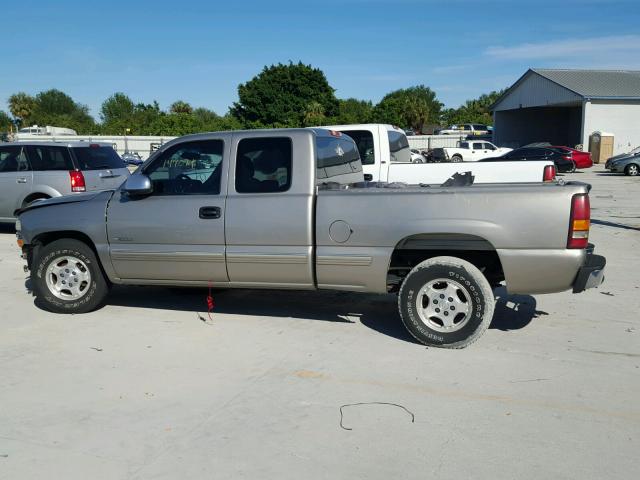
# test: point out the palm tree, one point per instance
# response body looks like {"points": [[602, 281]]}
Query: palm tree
{"points": [[313, 114], [22, 106]]}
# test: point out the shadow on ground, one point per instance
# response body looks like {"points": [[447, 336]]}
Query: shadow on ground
{"points": [[377, 312]]}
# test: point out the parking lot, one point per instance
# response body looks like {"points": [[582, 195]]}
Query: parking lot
{"points": [[149, 387]]}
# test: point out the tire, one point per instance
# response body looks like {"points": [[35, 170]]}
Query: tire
{"points": [[632, 170], [450, 277], [456, 158], [60, 261], [573, 167]]}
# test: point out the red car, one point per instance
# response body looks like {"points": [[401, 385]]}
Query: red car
{"points": [[580, 158]]}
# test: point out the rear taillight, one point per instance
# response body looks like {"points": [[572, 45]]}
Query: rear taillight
{"points": [[77, 181], [579, 222], [549, 173]]}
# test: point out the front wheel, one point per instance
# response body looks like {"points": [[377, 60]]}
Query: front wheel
{"points": [[631, 170], [67, 278], [456, 158], [446, 302]]}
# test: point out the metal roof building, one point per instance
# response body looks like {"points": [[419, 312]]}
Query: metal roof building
{"points": [[565, 107]]}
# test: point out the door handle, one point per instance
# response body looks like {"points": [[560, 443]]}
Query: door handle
{"points": [[21, 180], [209, 212]]}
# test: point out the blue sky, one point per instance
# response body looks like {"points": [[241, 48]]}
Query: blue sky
{"points": [[199, 51]]}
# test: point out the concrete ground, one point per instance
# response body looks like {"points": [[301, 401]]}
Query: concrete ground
{"points": [[143, 388]]}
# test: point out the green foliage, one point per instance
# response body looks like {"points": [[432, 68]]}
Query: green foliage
{"points": [[473, 111], [409, 107], [117, 114], [353, 111], [5, 121], [53, 107], [285, 96], [21, 106], [180, 107]]}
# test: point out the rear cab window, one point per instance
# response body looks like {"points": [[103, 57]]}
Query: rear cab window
{"points": [[337, 160], [399, 147], [97, 157]]}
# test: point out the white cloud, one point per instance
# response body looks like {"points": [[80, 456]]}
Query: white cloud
{"points": [[588, 47]]}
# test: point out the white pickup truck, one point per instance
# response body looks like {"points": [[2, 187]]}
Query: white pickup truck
{"points": [[386, 157], [472, 151]]}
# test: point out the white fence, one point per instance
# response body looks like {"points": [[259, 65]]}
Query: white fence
{"points": [[144, 146], [427, 142]]}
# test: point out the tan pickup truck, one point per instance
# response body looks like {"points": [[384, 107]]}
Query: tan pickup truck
{"points": [[288, 209]]}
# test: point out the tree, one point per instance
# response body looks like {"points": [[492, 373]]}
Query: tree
{"points": [[409, 107], [21, 106], [313, 114], [117, 114], [180, 107], [473, 111], [53, 107], [5, 122], [352, 111], [280, 96]]}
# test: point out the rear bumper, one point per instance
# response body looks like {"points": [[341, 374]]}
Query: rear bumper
{"points": [[591, 273]]}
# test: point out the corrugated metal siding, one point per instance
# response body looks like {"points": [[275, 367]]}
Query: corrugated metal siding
{"points": [[537, 91]]}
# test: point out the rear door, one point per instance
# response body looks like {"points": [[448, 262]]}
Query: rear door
{"points": [[176, 234], [16, 179], [269, 221], [100, 165]]}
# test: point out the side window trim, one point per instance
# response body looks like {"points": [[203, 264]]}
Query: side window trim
{"points": [[237, 166]]}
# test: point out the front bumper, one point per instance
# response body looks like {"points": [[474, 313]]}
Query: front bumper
{"points": [[591, 273]]}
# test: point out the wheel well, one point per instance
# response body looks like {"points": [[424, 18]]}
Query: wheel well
{"points": [[415, 249], [34, 196]]}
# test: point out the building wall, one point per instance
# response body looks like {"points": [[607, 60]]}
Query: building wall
{"points": [[621, 118], [142, 145]]}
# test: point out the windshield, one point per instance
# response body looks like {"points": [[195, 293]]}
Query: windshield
{"points": [[97, 158]]}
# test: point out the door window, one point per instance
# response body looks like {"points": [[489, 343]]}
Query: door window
{"points": [[190, 168], [477, 146], [13, 159], [489, 146], [364, 142], [399, 147], [263, 165]]}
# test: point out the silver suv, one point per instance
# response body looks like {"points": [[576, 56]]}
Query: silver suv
{"points": [[32, 171]]}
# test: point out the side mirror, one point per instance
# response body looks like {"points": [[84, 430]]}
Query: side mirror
{"points": [[138, 185]]}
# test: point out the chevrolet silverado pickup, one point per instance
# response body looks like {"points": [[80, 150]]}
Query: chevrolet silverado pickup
{"points": [[386, 157], [288, 209]]}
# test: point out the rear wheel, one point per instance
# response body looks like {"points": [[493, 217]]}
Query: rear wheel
{"points": [[573, 167], [446, 302], [67, 278], [631, 170]]}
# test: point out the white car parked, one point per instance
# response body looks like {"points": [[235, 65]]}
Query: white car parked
{"points": [[474, 151]]}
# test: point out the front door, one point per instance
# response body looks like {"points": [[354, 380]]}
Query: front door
{"points": [[16, 179], [176, 234]]}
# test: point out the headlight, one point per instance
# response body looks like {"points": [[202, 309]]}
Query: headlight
{"points": [[18, 225]]}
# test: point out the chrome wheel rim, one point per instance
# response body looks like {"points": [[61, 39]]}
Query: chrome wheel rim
{"points": [[444, 305], [68, 278], [633, 170]]}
